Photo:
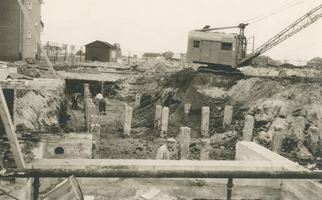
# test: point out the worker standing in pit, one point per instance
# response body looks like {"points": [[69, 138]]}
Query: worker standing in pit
{"points": [[75, 97], [164, 152], [101, 103]]}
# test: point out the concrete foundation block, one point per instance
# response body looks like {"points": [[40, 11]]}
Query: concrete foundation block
{"points": [[158, 115], [94, 118], [96, 132], [205, 113], [72, 146], [102, 88], [137, 100], [204, 149], [87, 101], [277, 140], [291, 188], [127, 121], [187, 108], [184, 142], [315, 138], [86, 86], [122, 116], [90, 112], [248, 128], [164, 122], [228, 115]]}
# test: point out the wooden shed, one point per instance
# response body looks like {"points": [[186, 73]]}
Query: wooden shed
{"points": [[101, 51]]}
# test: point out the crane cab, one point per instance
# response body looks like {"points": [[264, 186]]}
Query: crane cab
{"points": [[215, 49]]}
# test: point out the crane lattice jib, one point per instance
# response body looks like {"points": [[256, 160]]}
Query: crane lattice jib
{"points": [[295, 27]]}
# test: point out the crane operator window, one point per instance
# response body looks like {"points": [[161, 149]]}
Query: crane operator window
{"points": [[226, 46], [196, 44]]}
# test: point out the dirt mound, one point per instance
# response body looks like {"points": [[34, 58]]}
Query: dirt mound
{"points": [[39, 110], [174, 92]]}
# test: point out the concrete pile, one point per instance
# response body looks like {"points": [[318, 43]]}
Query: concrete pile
{"points": [[286, 107]]}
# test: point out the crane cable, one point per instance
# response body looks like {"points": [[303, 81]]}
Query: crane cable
{"points": [[297, 49], [265, 15]]}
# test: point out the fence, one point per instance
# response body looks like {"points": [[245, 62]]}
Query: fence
{"points": [[57, 52]]}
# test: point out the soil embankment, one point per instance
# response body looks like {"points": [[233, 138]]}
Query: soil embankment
{"points": [[288, 105]]}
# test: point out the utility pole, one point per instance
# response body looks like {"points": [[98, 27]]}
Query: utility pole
{"points": [[129, 60], [81, 53], [65, 48]]}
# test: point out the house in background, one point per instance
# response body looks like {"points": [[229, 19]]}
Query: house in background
{"points": [[315, 63], [101, 51], [150, 55], [265, 60], [16, 39]]}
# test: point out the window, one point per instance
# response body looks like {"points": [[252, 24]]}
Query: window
{"points": [[29, 34], [226, 46], [113, 54], [35, 48], [196, 44], [36, 22], [29, 5]]}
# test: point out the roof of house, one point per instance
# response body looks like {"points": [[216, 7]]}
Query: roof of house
{"points": [[104, 43], [316, 60], [151, 55]]}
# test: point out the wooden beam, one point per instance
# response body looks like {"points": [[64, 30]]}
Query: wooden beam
{"points": [[12, 137], [36, 84], [91, 77], [215, 165], [67, 189]]}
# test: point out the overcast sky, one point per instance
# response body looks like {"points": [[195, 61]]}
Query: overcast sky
{"points": [[157, 26]]}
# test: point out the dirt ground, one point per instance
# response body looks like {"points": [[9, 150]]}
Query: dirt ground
{"points": [[290, 105], [166, 83], [143, 142]]}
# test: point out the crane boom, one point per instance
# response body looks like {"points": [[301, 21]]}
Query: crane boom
{"points": [[295, 27]]}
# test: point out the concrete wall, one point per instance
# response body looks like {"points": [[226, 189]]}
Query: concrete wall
{"points": [[249, 156], [292, 188], [75, 146]]}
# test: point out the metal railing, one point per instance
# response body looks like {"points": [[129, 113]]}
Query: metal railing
{"points": [[124, 172]]}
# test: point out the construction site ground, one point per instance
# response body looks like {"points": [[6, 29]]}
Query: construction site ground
{"points": [[290, 106]]}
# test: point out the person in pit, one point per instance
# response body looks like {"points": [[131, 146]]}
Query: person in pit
{"points": [[164, 152], [101, 103], [75, 97]]}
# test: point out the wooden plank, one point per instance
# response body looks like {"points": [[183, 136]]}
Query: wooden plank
{"points": [[41, 84], [12, 137], [66, 190], [91, 77], [156, 164]]}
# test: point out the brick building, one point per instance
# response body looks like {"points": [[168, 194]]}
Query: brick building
{"points": [[17, 41]]}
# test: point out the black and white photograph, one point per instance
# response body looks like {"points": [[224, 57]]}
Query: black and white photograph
{"points": [[160, 100]]}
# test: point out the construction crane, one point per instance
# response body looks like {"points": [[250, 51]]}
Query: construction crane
{"points": [[223, 52]]}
